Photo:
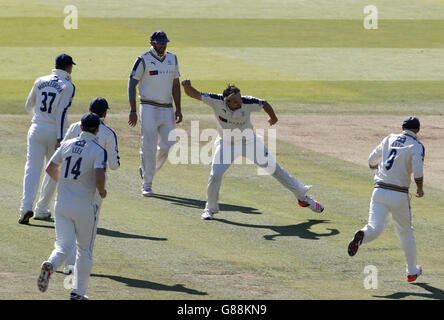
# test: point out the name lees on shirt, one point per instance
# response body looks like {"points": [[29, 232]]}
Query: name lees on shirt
{"points": [[78, 146]]}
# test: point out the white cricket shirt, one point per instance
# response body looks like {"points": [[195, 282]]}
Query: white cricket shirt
{"points": [[156, 75], [396, 158], [79, 157], [228, 119], [50, 98]]}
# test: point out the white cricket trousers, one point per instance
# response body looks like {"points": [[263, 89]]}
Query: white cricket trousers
{"points": [[156, 124], [71, 259], [42, 139], [254, 150], [398, 203], [75, 220]]}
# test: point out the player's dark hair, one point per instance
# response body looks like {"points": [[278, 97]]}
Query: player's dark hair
{"points": [[230, 89], [100, 114], [62, 67], [90, 129]]}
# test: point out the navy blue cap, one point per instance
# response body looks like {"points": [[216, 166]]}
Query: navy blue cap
{"points": [[411, 123], [63, 60], [90, 120], [159, 37], [98, 105]]}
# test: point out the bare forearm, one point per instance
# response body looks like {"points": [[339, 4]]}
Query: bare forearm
{"points": [[177, 94], [419, 184], [53, 171], [133, 105], [269, 110], [193, 93], [100, 180]]}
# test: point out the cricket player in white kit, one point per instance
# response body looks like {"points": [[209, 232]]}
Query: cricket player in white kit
{"points": [[83, 164], [156, 72], [232, 111], [394, 160], [49, 100], [107, 139]]}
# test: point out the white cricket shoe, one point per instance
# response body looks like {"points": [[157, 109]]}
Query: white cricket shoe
{"points": [[45, 216], [207, 214], [314, 205], [147, 191], [45, 275]]}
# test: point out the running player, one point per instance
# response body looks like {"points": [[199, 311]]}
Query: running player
{"points": [[82, 175], [394, 160]]}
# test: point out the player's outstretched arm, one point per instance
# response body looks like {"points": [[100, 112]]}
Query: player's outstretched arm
{"points": [[269, 110], [190, 90]]}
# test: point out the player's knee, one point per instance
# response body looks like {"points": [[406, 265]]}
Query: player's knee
{"points": [[404, 232]]}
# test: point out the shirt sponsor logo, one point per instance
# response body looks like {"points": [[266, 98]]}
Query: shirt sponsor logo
{"points": [[154, 72], [222, 119]]}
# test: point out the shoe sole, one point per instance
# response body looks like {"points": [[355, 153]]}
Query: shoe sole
{"points": [[25, 220], [45, 275], [206, 218], [355, 243], [147, 195], [303, 203]]}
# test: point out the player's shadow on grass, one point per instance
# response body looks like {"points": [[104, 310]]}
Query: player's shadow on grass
{"points": [[110, 233], [200, 204], [434, 293], [144, 284], [301, 230], [118, 234]]}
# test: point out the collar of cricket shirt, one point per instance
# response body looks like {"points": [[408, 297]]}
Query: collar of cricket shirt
{"points": [[88, 136], [410, 133], [62, 73], [155, 55]]}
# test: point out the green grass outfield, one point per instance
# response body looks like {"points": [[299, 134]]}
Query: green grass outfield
{"points": [[262, 245]]}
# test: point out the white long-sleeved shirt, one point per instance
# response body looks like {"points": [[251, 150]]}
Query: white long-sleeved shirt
{"points": [[50, 98], [106, 138], [396, 158]]}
